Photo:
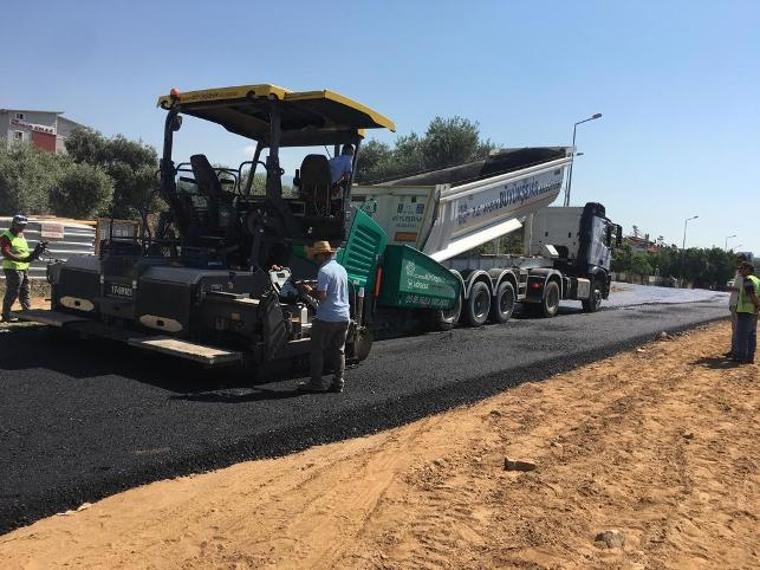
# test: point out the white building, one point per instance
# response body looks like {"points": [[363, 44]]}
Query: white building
{"points": [[46, 130]]}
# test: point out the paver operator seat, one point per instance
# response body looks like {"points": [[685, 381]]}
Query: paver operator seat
{"points": [[315, 184]]}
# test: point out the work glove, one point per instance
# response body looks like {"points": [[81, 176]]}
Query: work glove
{"points": [[39, 249]]}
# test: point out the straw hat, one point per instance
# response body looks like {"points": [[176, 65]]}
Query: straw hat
{"points": [[321, 247]]}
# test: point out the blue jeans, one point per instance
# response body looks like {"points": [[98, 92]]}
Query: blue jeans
{"points": [[746, 336]]}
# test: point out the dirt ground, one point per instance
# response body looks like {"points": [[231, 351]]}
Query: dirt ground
{"points": [[661, 444], [40, 295]]}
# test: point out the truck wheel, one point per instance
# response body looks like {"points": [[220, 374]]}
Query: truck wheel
{"points": [[592, 304], [550, 302], [478, 304], [445, 320], [503, 303]]}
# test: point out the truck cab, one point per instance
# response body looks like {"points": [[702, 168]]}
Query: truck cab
{"points": [[582, 238]]}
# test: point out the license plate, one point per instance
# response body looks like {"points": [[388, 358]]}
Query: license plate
{"points": [[116, 290]]}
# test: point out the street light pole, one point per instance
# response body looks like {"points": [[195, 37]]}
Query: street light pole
{"points": [[570, 173], [685, 222], [725, 246]]}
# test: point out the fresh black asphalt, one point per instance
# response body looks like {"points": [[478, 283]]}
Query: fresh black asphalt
{"points": [[80, 420]]}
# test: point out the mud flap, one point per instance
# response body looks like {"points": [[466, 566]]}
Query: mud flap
{"points": [[274, 330]]}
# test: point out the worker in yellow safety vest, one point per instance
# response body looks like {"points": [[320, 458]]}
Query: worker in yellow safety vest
{"points": [[747, 309], [16, 259]]}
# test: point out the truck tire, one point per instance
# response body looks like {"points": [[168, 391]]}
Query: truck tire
{"points": [[503, 303], [592, 304], [478, 304], [550, 301], [446, 320]]}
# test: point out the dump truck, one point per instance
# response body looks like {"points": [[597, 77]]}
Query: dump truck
{"points": [[449, 214], [214, 280]]}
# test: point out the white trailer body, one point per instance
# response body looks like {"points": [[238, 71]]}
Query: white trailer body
{"points": [[444, 221]]}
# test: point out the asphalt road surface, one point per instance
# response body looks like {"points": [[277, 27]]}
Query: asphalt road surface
{"points": [[80, 420]]}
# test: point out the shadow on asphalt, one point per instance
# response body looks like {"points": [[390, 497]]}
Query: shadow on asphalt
{"points": [[25, 349], [28, 348]]}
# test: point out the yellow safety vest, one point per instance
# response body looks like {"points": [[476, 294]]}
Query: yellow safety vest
{"points": [[745, 304], [19, 248]]}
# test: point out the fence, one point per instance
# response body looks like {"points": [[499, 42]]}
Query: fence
{"points": [[65, 238]]}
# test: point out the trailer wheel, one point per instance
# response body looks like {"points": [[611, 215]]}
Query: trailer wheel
{"points": [[550, 301], [478, 304], [445, 320], [592, 304], [503, 303]]}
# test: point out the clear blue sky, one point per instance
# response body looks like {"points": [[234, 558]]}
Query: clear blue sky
{"points": [[678, 83]]}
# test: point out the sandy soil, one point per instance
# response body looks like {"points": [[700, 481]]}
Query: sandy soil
{"points": [[40, 297], [661, 443]]}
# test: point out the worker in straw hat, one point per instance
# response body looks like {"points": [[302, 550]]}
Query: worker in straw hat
{"points": [[330, 325]]}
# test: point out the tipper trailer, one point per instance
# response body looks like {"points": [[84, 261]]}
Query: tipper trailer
{"points": [[214, 281], [449, 214]]}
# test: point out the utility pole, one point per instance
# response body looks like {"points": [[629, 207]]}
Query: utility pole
{"points": [[685, 222]]}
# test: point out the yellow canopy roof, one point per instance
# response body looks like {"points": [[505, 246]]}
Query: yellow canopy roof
{"points": [[308, 117]]}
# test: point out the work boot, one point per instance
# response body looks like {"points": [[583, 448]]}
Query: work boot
{"points": [[337, 385], [8, 319]]}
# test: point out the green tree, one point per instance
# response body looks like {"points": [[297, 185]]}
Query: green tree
{"points": [[407, 156], [720, 268], [446, 142], [705, 268], [132, 165], [640, 265], [259, 186], [621, 258], [666, 261], [373, 158], [27, 175], [81, 191], [452, 141]]}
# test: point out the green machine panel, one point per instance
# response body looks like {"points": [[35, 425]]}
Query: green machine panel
{"points": [[366, 241], [413, 280]]}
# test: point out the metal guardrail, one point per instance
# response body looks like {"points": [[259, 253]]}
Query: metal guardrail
{"points": [[65, 238]]}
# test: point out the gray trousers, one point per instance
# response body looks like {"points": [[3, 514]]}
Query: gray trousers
{"points": [[733, 330], [327, 340], [16, 287]]}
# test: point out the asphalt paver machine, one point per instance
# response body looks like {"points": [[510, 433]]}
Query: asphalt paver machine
{"points": [[201, 285]]}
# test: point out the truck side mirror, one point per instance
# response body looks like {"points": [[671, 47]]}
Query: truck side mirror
{"points": [[619, 236], [177, 123]]}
